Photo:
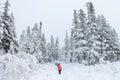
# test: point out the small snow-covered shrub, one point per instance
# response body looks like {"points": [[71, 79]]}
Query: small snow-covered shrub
{"points": [[102, 61], [84, 62], [13, 68], [1, 52], [29, 59], [39, 57]]}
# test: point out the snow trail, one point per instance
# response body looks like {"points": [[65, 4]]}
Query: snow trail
{"points": [[77, 72]]}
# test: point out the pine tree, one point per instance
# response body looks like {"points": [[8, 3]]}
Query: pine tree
{"points": [[43, 48], [22, 41], [9, 42], [82, 19], [67, 47], [92, 35], [116, 48], [29, 44], [71, 46], [1, 31], [90, 12], [82, 39], [52, 49], [14, 43], [74, 35], [40, 37], [78, 38], [75, 20], [48, 51], [40, 30], [35, 38], [6, 24], [109, 40], [57, 49]]}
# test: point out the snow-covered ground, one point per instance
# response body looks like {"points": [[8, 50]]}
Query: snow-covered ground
{"points": [[24, 67], [110, 71]]}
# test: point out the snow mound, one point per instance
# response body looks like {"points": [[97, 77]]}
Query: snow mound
{"points": [[13, 68], [29, 59]]}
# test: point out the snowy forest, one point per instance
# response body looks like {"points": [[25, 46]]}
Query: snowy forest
{"points": [[92, 42]]}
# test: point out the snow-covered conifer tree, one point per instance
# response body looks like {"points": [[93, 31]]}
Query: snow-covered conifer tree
{"points": [[9, 42], [79, 38], [75, 19], [109, 40], [67, 47], [92, 35], [57, 49], [52, 49], [43, 49], [48, 51], [22, 41], [29, 44]]}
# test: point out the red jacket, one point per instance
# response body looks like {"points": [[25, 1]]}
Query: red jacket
{"points": [[59, 67]]}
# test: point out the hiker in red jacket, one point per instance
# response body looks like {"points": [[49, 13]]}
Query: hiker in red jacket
{"points": [[59, 68]]}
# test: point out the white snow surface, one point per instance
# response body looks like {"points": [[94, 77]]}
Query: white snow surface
{"points": [[14, 67], [110, 71]]}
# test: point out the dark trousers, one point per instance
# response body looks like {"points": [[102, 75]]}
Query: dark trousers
{"points": [[59, 71]]}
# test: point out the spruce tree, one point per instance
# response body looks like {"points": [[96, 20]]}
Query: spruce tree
{"points": [[9, 42], [52, 49], [22, 41], [78, 38], [75, 19], [48, 52], [43, 48], [92, 35], [57, 49], [67, 47]]}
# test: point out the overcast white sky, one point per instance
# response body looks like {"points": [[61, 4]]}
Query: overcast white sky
{"points": [[57, 15]]}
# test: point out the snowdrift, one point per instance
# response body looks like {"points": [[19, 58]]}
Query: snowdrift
{"points": [[29, 59], [16, 67]]}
